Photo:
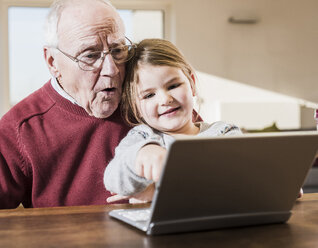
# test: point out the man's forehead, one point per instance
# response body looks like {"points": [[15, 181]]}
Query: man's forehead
{"points": [[79, 23], [82, 31]]}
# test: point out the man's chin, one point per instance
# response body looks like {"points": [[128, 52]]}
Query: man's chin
{"points": [[103, 112]]}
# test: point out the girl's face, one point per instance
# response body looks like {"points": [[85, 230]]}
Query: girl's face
{"points": [[165, 99]]}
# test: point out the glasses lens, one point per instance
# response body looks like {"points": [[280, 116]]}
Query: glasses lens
{"points": [[122, 54], [90, 57], [89, 60]]}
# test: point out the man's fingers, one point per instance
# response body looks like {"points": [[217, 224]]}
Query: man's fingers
{"points": [[301, 193], [137, 201], [116, 198]]}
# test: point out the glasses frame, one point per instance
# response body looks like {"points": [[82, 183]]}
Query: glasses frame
{"points": [[104, 54]]}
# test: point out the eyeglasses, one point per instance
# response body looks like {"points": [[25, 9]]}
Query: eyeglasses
{"points": [[92, 60]]}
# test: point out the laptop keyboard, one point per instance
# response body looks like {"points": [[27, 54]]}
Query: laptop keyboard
{"points": [[136, 214]]}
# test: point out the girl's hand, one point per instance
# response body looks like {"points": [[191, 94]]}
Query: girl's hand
{"points": [[144, 196], [141, 197], [149, 162]]}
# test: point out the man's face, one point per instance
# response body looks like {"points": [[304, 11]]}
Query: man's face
{"points": [[86, 27]]}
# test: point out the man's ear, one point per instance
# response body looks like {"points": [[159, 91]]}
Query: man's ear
{"points": [[193, 85], [49, 56]]}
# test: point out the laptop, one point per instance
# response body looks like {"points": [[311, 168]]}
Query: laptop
{"points": [[228, 181]]}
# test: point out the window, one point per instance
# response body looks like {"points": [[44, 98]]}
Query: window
{"points": [[141, 24], [27, 68]]}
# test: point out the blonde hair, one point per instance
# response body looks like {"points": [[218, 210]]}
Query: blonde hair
{"points": [[157, 52]]}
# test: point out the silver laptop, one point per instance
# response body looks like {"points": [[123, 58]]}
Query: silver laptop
{"points": [[211, 183]]}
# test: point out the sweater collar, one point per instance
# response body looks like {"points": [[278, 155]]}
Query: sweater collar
{"points": [[69, 106], [62, 92]]}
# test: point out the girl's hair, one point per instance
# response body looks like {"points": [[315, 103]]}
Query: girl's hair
{"points": [[156, 52]]}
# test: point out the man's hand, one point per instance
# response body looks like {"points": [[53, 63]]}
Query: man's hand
{"points": [[149, 161], [301, 193], [141, 197]]}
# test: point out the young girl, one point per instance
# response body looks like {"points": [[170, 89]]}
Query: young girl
{"points": [[158, 100]]}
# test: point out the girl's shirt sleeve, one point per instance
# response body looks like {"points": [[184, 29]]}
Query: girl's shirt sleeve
{"points": [[120, 176], [218, 128]]}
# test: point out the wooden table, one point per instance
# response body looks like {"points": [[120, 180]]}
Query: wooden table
{"points": [[92, 227]]}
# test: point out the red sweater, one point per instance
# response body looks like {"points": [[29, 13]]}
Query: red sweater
{"points": [[52, 153]]}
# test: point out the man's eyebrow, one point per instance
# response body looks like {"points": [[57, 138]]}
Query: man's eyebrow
{"points": [[117, 42], [89, 46], [86, 47]]}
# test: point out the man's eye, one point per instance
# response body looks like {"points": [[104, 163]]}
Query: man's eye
{"points": [[117, 50], [119, 53], [92, 55], [89, 57]]}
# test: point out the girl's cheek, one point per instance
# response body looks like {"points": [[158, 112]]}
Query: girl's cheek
{"points": [[146, 109], [151, 111]]}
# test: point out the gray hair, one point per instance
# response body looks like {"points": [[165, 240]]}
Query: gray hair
{"points": [[52, 20]]}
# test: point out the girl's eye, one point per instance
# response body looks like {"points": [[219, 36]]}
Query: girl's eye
{"points": [[173, 86], [148, 96]]}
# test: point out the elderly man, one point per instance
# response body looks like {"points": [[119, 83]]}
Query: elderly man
{"points": [[56, 143]]}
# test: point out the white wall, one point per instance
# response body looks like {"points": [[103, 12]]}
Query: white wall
{"points": [[278, 53], [247, 106]]}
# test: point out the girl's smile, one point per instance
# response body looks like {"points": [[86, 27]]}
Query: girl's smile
{"points": [[165, 99], [170, 112]]}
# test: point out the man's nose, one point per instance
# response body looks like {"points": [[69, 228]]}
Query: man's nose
{"points": [[109, 67]]}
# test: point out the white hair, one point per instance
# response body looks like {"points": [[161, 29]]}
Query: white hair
{"points": [[52, 20]]}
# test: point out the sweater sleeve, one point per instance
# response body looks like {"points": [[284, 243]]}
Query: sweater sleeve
{"points": [[120, 176], [13, 174]]}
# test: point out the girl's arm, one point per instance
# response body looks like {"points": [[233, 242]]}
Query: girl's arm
{"points": [[149, 161], [121, 176]]}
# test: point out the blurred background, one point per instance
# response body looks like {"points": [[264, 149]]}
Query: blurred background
{"points": [[256, 60]]}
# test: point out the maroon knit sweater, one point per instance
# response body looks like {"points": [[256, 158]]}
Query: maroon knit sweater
{"points": [[52, 153]]}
